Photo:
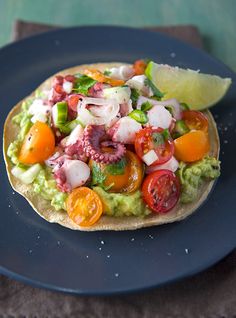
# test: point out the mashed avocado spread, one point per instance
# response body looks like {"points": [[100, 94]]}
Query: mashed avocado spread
{"points": [[117, 204], [191, 176]]}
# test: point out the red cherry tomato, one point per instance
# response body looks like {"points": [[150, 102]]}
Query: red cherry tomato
{"points": [[152, 139], [161, 190], [195, 120]]}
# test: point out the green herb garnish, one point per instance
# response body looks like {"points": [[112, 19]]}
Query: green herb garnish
{"points": [[157, 139], [117, 168], [134, 96], [107, 72], [156, 92], [83, 84], [184, 106], [146, 106]]}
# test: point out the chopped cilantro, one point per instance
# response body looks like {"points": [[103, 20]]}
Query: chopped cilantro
{"points": [[156, 93], [97, 176], [83, 84], [166, 134], [107, 72], [134, 96], [146, 106], [117, 168], [158, 139], [184, 106]]}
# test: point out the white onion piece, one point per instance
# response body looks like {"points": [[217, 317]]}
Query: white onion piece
{"points": [[123, 72], [158, 116], [101, 111], [138, 82], [39, 117], [77, 172], [171, 165], [67, 87], [75, 135], [169, 102], [38, 107], [150, 157]]}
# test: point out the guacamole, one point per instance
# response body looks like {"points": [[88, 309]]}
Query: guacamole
{"points": [[191, 176], [117, 204]]}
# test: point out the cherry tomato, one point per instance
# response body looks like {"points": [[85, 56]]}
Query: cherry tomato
{"points": [[100, 77], [139, 67], [192, 146], [84, 206], [38, 145], [151, 139], [73, 101], [136, 172], [127, 182], [161, 190], [195, 120]]}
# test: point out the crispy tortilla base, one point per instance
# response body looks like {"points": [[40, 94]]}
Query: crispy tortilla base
{"points": [[46, 211]]}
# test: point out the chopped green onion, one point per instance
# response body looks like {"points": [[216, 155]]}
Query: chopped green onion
{"points": [[59, 113], [139, 116], [146, 106]]}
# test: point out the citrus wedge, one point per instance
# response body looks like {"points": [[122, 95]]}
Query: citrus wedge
{"points": [[196, 89]]}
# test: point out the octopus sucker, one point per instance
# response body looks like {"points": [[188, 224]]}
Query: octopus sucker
{"points": [[95, 140]]}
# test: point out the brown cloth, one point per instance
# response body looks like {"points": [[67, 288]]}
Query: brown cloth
{"points": [[206, 295]]}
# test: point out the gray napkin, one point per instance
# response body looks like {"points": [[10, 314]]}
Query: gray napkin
{"points": [[208, 294]]}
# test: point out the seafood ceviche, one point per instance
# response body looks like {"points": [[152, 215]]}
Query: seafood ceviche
{"points": [[111, 142]]}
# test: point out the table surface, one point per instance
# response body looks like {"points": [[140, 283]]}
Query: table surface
{"points": [[215, 19]]}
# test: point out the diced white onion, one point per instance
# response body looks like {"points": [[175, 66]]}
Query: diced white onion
{"points": [[171, 165], [67, 87], [138, 82], [39, 117], [75, 135], [150, 157]]}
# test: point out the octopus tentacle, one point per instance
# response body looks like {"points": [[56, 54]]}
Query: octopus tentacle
{"points": [[94, 140]]}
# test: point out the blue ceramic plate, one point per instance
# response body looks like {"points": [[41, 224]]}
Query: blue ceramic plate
{"points": [[48, 255]]}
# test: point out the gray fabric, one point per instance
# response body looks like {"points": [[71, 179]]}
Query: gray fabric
{"points": [[206, 295]]}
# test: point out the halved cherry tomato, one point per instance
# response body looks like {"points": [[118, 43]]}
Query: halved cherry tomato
{"points": [[38, 145], [136, 172], [139, 67], [147, 139], [192, 146], [127, 182], [195, 120], [161, 190], [84, 206], [100, 77]]}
